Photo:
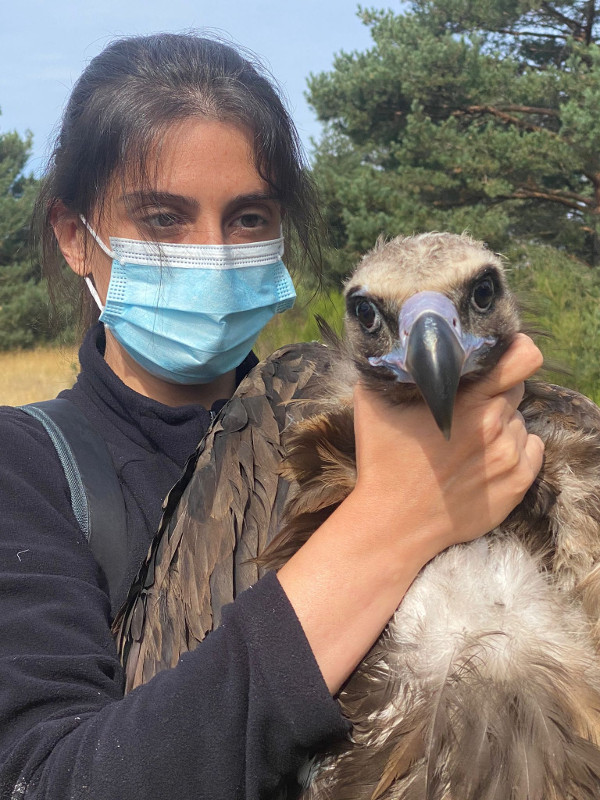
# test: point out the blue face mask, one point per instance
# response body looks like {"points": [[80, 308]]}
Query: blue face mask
{"points": [[188, 313]]}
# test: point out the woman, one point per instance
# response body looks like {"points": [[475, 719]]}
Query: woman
{"points": [[178, 141]]}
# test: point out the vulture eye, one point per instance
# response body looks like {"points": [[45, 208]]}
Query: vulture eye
{"points": [[483, 294], [367, 315]]}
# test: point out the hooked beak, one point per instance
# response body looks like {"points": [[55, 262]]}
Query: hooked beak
{"points": [[433, 353], [434, 358]]}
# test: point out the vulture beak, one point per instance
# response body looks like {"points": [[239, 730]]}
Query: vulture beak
{"points": [[433, 352]]}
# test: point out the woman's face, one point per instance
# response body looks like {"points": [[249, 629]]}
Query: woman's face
{"points": [[206, 190]]}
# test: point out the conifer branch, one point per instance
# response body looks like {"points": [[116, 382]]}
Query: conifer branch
{"points": [[535, 34], [590, 17], [549, 112], [509, 118], [569, 199], [572, 24]]}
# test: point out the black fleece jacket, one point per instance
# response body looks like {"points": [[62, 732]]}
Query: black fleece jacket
{"points": [[233, 718]]}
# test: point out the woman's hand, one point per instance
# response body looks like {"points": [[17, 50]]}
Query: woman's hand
{"points": [[416, 494], [452, 491]]}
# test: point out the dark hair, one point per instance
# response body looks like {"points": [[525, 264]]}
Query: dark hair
{"points": [[128, 97]]}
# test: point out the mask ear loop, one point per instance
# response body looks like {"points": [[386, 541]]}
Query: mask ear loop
{"points": [[94, 293], [96, 238], [106, 250]]}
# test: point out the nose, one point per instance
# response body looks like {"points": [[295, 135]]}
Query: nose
{"points": [[208, 229], [208, 234]]}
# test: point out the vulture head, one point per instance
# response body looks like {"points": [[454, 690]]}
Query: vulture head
{"points": [[424, 311]]}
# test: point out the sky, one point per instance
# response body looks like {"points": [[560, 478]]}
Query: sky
{"points": [[45, 45]]}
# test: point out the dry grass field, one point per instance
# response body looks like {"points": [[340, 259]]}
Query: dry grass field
{"points": [[39, 374]]}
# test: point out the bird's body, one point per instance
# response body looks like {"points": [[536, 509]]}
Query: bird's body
{"points": [[485, 685], [485, 682]]}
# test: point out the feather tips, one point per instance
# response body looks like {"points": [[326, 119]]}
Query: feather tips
{"points": [[490, 692], [485, 685], [215, 524]]}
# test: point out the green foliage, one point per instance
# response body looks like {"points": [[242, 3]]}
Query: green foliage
{"points": [[464, 115], [24, 311], [478, 115], [26, 316], [299, 324], [561, 298]]}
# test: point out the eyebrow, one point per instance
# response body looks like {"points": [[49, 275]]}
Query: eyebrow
{"points": [[254, 197], [167, 198]]}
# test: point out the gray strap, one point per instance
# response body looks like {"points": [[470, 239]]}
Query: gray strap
{"points": [[69, 464], [96, 495]]}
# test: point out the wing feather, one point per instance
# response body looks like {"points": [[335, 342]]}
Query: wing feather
{"points": [[222, 512]]}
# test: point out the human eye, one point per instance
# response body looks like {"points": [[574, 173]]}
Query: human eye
{"points": [[254, 220], [250, 219], [160, 220]]}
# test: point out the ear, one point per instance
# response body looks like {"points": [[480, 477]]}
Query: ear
{"points": [[70, 235]]}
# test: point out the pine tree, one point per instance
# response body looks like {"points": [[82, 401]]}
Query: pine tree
{"points": [[25, 314], [478, 115], [466, 115]]}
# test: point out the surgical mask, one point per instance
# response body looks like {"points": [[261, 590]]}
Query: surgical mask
{"points": [[188, 313]]}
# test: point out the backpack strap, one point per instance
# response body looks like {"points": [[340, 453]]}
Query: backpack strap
{"points": [[96, 495]]}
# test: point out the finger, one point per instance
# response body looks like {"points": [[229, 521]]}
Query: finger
{"points": [[511, 400], [366, 407], [497, 411], [516, 426], [522, 359], [534, 452], [371, 411], [372, 407]]}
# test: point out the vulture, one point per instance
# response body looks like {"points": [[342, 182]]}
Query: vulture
{"points": [[485, 684]]}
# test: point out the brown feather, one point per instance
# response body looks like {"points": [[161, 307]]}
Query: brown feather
{"points": [[530, 733], [217, 517], [487, 693]]}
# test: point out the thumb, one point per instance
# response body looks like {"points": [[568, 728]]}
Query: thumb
{"points": [[522, 359]]}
